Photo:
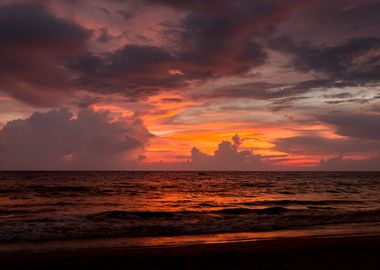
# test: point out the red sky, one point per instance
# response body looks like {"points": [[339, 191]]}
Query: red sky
{"points": [[164, 85]]}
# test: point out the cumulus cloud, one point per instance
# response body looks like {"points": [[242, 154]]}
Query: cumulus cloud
{"points": [[227, 157], [58, 140]]}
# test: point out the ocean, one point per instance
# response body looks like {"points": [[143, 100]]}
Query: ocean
{"points": [[41, 206]]}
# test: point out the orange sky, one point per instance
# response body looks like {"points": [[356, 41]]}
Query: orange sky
{"points": [[144, 82]]}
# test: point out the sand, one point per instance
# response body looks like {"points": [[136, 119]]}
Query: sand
{"points": [[349, 252]]}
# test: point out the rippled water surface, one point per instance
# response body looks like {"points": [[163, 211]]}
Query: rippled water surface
{"points": [[71, 205]]}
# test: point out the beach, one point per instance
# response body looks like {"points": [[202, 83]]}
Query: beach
{"points": [[339, 252]]}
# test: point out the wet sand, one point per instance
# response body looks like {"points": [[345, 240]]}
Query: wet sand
{"points": [[348, 252]]}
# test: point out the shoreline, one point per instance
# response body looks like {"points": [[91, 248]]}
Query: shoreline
{"points": [[343, 252], [329, 231]]}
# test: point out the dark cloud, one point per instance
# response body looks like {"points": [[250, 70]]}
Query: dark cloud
{"points": [[215, 47], [316, 145], [224, 42], [258, 90], [134, 71], [32, 27], [198, 5], [103, 10], [43, 57], [125, 14], [339, 96], [135, 59], [358, 18], [354, 60], [86, 101], [203, 46], [171, 100], [340, 163], [228, 40], [103, 36], [356, 125], [56, 140], [352, 100], [264, 90], [33, 44], [285, 103]]}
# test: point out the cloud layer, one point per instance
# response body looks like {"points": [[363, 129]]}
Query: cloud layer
{"points": [[298, 79], [56, 140]]}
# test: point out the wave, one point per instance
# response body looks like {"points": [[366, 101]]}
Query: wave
{"points": [[7, 212], [132, 224], [98, 204], [108, 215], [79, 189], [301, 202], [239, 211], [131, 215]]}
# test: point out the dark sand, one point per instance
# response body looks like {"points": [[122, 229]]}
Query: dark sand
{"points": [[349, 252]]}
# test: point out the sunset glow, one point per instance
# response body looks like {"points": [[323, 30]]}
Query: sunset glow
{"points": [[161, 81]]}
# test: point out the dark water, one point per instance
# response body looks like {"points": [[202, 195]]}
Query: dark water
{"points": [[73, 205]]}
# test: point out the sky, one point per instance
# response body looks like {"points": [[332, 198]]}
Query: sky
{"points": [[189, 85]]}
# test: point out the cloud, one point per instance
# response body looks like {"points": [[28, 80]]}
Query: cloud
{"points": [[33, 44], [172, 100], [355, 60], [356, 125], [278, 54], [340, 95], [317, 145], [260, 90], [214, 39], [340, 163], [57, 140], [33, 27], [200, 49], [202, 45], [199, 5], [135, 71], [227, 157], [264, 90], [44, 58], [216, 46], [360, 18]]}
